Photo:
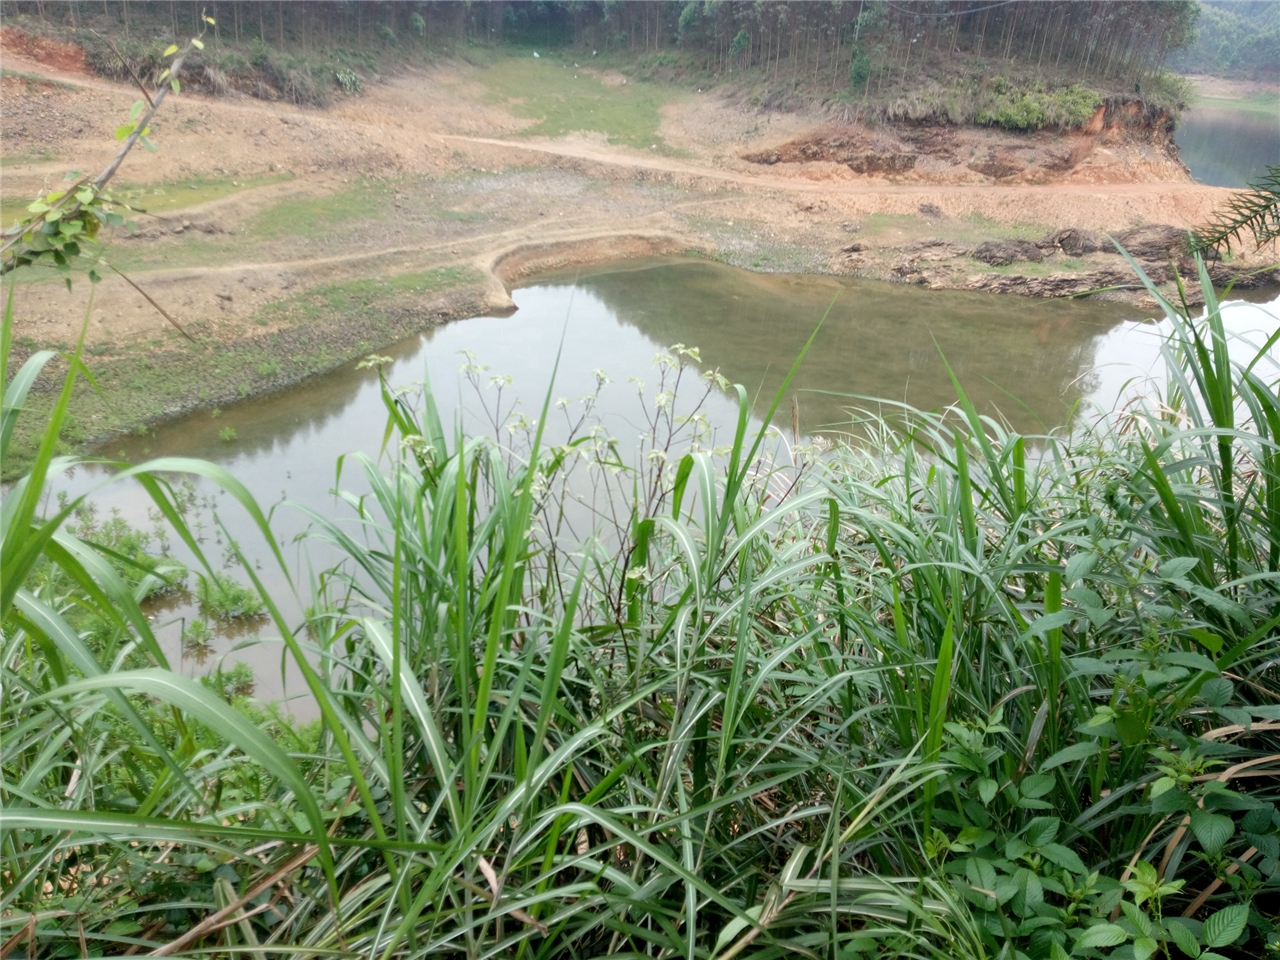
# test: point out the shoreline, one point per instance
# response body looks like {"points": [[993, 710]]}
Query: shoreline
{"points": [[161, 385], [311, 238]]}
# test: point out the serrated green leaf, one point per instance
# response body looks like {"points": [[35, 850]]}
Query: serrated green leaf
{"points": [[1036, 785], [1079, 567], [1064, 857], [1177, 567], [1193, 661], [1070, 754], [1182, 937], [1103, 935], [1213, 830], [1225, 926], [1042, 830], [1217, 692], [1140, 921]]}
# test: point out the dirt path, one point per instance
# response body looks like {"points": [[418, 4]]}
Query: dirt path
{"points": [[861, 186]]}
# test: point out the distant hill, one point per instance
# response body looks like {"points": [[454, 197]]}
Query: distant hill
{"points": [[1234, 39]]}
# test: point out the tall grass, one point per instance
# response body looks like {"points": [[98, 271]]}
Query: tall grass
{"points": [[954, 692]]}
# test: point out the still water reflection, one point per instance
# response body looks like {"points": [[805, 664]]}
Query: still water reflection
{"points": [[1227, 146], [1032, 362]]}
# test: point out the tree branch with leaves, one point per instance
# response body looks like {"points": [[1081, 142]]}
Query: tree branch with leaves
{"points": [[62, 221]]}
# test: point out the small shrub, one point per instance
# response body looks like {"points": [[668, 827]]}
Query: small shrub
{"points": [[268, 369], [227, 434], [859, 67], [216, 80], [226, 599], [234, 684], [196, 636], [1034, 109], [348, 80]]}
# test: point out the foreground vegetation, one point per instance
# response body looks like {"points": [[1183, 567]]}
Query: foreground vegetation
{"points": [[952, 693]]}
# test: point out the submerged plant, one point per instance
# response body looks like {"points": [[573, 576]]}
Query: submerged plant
{"points": [[225, 599]]}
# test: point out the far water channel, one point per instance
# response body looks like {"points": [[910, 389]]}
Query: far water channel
{"points": [[1034, 363], [1227, 143]]}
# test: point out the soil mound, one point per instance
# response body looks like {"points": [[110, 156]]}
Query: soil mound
{"points": [[66, 57]]}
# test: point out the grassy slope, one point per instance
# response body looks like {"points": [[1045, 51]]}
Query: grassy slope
{"points": [[559, 97]]}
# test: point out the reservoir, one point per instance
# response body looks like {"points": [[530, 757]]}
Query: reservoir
{"points": [[1037, 365], [1250, 127]]}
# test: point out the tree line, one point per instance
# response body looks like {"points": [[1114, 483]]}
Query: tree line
{"points": [[1116, 40]]}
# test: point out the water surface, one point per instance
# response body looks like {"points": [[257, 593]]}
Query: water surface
{"points": [[1033, 363], [1227, 145]]}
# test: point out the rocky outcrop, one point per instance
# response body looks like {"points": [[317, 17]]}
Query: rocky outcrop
{"points": [[1000, 253], [837, 148], [1054, 285], [1075, 242], [1155, 242]]}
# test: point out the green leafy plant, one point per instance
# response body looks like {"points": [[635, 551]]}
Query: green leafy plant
{"points": [[226, 599], [348, 80]]}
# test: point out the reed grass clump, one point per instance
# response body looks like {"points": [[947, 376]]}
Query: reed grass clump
{"points": [[954, 692]]}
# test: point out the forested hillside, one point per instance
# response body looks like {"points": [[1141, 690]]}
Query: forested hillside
{"points": [[1234, 40], [946, 59]]}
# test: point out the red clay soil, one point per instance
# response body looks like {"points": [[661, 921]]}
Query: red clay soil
{"points": [[46, 51]]}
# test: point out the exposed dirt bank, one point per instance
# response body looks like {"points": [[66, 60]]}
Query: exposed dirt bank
{"points": [[1124, 142], [289, 240]]}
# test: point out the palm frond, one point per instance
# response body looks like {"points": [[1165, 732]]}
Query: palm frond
{"points": [[1256, 210]]}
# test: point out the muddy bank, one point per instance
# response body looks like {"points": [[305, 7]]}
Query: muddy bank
{"points": [[1070, 262], [299, 336], [1125, 141]]}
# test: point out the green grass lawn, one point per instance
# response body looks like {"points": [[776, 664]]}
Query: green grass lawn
{"points": [[563, 99], [180, 194], [306, 215]]}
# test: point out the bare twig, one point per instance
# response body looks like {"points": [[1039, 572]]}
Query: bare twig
{"points": [[209, 924], [149, 300], [126, 64]]}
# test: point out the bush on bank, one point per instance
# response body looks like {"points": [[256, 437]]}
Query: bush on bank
{"points": [[954, 692]]}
